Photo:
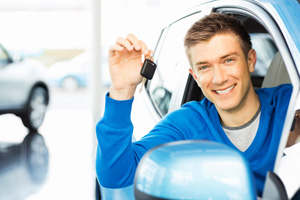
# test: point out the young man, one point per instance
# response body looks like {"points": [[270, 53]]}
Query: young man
{"points": [[221, 57]]}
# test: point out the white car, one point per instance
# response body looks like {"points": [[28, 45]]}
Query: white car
{"points": [[23, 89]]}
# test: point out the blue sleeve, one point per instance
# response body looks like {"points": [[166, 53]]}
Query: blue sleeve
{"points": [[117, 157], [114, 156]]}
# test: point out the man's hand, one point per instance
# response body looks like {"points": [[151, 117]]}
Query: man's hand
{"points": [[125, 62]]}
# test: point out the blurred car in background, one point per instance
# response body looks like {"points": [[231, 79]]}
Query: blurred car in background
{"points": [[72, 74], [23, 89]]}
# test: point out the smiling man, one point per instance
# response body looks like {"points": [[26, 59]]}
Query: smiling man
{"points": [[224, 77], [221, 56]]}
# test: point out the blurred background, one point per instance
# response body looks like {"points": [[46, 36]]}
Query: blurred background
{"points": [[53, 77]]}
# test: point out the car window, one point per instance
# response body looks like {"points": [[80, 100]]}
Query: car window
{"points": [[170, 60], [4, 59]]}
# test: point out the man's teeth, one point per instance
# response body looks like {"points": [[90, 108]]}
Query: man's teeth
{"points": [[225, 91]]}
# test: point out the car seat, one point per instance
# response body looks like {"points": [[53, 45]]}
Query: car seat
{"points": [[277, 73]]}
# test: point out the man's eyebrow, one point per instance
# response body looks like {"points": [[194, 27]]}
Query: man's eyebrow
{"points": [[201, 63], [222, 57], [229, 54]]}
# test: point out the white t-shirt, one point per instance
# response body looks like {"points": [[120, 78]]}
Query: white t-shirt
{"points": [[243, 136]]}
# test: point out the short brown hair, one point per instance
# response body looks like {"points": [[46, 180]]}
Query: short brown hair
{"points": [[215, 23]]}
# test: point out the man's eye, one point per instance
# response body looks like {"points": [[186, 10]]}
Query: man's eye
{"points": [[228, 60], [202, 67]]}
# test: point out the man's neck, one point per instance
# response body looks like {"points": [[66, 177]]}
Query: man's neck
{"points": [[243, 113]]}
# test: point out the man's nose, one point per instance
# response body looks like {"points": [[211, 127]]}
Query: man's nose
{"points": [[219, 75]]}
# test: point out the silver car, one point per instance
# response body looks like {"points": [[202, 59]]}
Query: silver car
{"points": [[23, 89]]}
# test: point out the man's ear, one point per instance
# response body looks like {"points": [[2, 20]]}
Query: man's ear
{"points": [[192, 73], [251, 60]]}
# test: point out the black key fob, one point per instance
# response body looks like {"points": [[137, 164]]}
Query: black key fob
{"points": [[148, 69]]}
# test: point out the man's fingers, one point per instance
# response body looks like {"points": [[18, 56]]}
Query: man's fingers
{"points": [[124, 43], [144, 48], [134, 41], [130, 43], [149, 55], [116, 47]]}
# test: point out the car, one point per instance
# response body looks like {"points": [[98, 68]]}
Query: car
{"points": [[73, 74], [274, 29], [23, 89]]}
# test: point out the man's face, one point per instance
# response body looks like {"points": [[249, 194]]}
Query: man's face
{"points": [[222, 71]]}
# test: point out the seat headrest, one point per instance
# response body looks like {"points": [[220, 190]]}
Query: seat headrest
{"points": [[277, 73]]}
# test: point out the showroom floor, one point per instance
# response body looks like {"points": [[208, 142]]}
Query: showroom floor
{"points": [[68, 135]]}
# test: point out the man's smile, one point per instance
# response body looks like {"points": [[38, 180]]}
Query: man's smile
{"points": [[225, 91]]}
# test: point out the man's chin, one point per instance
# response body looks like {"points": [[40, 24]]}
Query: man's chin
{"points": [[225, 107]]}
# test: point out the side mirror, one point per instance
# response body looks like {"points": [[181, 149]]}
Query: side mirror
{"points": [[193, 170]]}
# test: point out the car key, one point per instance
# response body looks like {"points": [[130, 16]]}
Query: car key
{"points": [[147, 71]]}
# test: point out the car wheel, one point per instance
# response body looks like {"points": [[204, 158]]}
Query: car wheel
{"points": [[34, 113], [70, 84], [35, 157]]}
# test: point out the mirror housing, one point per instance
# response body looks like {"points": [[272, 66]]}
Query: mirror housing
{"points": [[193, 170]]}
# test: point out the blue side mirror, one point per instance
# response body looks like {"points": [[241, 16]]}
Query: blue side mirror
{"points": [[193, 170]]}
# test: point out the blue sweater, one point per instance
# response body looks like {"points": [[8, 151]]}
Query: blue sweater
{"points": [[117, 157]]}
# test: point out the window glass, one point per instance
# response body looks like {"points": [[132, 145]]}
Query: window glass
{"points": [[170, 59]]}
